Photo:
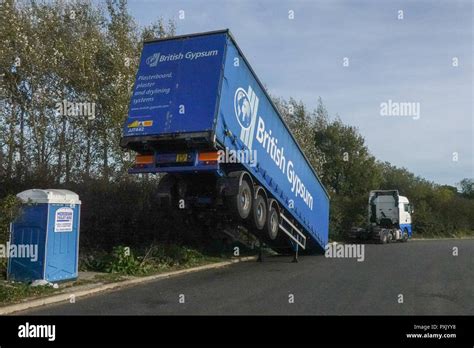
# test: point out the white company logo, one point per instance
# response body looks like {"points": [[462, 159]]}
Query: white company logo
{"points": [[153, 60], [246, 107]]}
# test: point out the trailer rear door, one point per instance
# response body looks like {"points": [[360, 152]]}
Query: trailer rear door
{"points": [[176, 87]]}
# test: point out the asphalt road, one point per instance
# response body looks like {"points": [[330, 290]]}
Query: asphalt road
{"points": [[430, 278]]}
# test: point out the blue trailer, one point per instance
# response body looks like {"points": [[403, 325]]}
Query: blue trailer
{"points": [[200, 114]]}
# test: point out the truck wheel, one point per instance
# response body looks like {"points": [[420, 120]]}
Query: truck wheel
{"points": [[241, 203], [384, 238], [273, 221], [259, 212], [405, 236]]}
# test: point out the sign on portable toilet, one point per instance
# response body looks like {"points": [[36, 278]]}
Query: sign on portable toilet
{"points": [[45, 237]]}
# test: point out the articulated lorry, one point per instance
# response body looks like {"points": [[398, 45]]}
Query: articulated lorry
{"points": [[389, 218], [199, 114]]}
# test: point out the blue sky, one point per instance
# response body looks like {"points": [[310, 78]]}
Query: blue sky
{"points": [[407, 60]]}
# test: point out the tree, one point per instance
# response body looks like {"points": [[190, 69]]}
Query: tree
{"points": [[467, 187], [67, 53]]}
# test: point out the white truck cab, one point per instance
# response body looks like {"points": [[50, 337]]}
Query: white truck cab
{"points": [[387, 209]]}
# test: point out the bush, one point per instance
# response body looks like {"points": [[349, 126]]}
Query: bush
{"points": [[123, 261], [95, 261], [3, 267], [174, 255], [9, 210]]}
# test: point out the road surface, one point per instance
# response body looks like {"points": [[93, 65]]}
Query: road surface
{"points": [[424, 275]]}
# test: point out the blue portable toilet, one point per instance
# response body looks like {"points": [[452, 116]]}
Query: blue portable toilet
{"points": [[49, 223]]}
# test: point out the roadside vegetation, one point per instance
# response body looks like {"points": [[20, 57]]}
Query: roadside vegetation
{"points": [[156, 259], [73, 51], [15, 292], [119, 264], [349, 171]]}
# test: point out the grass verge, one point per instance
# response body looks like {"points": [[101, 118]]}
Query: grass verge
{"points": [[121, 264]]}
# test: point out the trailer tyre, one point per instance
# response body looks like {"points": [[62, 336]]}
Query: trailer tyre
{"points": [[241, 203], [259, 212], [166, 193], [273, 221]]}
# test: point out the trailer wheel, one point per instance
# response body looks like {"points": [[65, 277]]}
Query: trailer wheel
{"points": [[241, 203], [259, 212], [273, 220], [166, 193]]}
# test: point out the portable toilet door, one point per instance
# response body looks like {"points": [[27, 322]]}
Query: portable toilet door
{"points": [[58, 245], [62, 242], [28, 233]]}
